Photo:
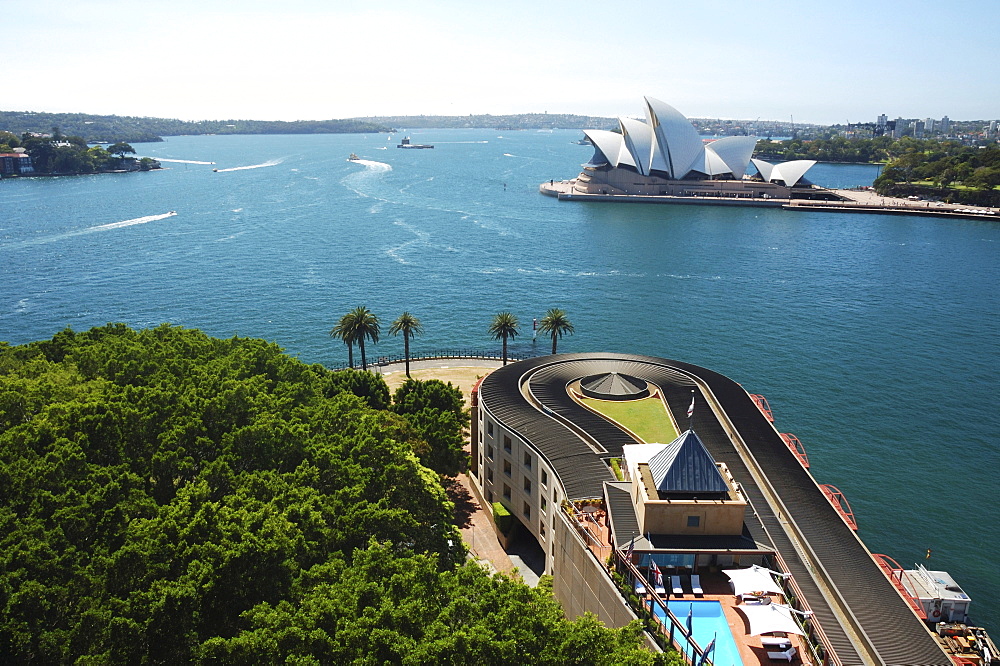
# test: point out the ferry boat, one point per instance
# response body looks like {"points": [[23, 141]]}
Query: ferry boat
{"points": [[405, 143]]}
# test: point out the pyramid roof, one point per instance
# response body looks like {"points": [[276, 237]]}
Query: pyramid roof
{"points": [[686, 466]]}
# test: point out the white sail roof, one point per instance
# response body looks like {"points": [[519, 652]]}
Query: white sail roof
{"points": [[788, 172], [735, 151], [606, 144], [666, 143], [639, 141], [676, 137]]}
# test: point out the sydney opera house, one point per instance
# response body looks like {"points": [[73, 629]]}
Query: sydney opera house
{"points": [[663, 156]]}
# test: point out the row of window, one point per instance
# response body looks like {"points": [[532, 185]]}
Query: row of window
{"points": [[490, 453], [528, 463]]}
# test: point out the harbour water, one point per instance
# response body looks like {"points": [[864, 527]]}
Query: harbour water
{"points": [[875, 338]]}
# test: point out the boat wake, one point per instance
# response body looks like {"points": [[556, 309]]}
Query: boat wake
{"points": [[91, 230], [268, 163], [164, 159], [372, 165], [440, 142], [127, 223]]}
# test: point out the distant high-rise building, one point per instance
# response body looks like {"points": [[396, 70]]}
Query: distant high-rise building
{"points": [[993, 128], [928, 126], [899, 129], [882, 120], [945, 124], [918, 129]]}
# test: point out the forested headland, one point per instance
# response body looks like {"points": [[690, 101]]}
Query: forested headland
{"points": [[945, 170], [136, 129], [58, 154], [169, 497]]}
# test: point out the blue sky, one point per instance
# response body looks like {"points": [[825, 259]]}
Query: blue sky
{"points": [[822, 62]]}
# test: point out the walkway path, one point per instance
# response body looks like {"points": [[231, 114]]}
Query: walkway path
{"points": [[477, 530]]}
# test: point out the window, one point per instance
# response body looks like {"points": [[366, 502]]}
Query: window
{"points": [[489, 428], [506, 467], [489, 452], [545, 478], [527, 485], [506, 491], [527, 460], [489, 496], [541, 529], [527, 510], [545, 504], [694, 521], [489, 474], [506, 443]]}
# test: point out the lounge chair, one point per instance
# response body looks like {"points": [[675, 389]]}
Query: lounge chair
{"points": [[675, 583], [640, 586], [785, 655], [658, 587], [696, 585], [776, 643]]}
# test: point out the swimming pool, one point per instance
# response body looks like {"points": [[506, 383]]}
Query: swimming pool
{"points": [[708, 621]]}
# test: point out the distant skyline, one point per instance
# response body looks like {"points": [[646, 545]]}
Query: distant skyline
{"points": [[319, 59]]}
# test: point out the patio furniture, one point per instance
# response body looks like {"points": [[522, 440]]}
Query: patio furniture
{"points": [[785, 655], [640, 586], [696, 585], [675, 583], [776, 643], [658, 587]]}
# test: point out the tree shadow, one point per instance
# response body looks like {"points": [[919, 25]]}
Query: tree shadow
{"points": [[465, 504]]}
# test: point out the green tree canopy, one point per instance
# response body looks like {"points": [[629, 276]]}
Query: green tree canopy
{"points": [[121, 149], [175, 498]]}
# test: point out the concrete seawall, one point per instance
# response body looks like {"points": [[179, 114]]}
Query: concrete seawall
{"points": [[852, 201]]}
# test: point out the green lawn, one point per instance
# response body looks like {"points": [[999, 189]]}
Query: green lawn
{"points": [[647, 417]]}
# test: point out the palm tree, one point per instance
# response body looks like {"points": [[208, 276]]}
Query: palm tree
{"points": [[555, 324], [365, 327], [409, 326], [504, 326], [344, 330]]}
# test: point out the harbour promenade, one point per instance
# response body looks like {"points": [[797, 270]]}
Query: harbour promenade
{"points": [[850, 201]]}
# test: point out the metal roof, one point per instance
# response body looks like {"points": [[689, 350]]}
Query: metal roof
{"points": [[685, 466]]}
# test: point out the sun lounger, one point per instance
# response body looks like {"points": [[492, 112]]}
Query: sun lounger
{"points": [[675, 583], [776, 643], [640, 586], [696, 585], [785, 655], [659, 589]]}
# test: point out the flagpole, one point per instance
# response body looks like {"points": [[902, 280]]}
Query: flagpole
{"points": [[691, 409]]}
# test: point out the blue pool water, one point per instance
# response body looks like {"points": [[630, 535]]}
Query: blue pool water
{"points": [[708, 621]]}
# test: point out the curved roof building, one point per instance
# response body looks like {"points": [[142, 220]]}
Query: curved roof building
{"points": [[666, 145]]}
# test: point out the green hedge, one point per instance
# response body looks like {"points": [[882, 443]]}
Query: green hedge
{"points": [[502, 517]]}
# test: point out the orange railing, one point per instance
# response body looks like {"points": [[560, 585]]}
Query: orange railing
{"points": [[894, 573], [762, 405], [840, 503], [796, 447]]}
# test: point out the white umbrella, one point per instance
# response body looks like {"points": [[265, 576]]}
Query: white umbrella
{"points": [[766, 618], [754, 579]]}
